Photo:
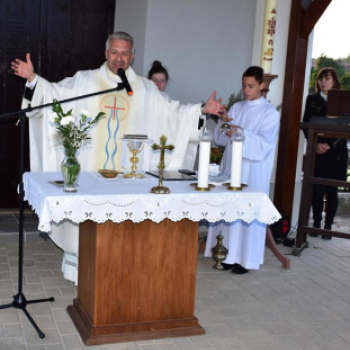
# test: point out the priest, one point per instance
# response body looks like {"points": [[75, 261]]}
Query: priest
{"points": [[147, 111]]}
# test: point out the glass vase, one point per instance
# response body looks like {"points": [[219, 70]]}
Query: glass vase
{"points": [[70, 168]]}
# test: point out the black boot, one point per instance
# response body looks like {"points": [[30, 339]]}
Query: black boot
{"points": [[239, 269], [327, 227], [227, 266], [317, 224]]}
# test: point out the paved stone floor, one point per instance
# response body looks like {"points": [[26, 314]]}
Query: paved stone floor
{"points": [[305, 307]]}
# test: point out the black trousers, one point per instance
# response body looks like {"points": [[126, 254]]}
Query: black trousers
{"points": [[318, 193]]}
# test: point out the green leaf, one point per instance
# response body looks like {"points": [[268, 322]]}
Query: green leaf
{"points": [[71, 136]]}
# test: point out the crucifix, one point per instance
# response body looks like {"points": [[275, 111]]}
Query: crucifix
{"points": [[160, 189]]}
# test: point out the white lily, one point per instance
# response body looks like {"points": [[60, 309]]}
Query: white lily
{"points": [[67, 120], [53, 117], [85, 112]]}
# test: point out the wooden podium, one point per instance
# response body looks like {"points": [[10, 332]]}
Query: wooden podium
{"points": [[332, 128], [136, 281]]}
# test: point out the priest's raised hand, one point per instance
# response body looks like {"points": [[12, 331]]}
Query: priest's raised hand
{"points": [[213, 106], [24, 69]]}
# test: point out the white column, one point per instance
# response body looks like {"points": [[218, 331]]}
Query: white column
{"points": [[268, 37]]}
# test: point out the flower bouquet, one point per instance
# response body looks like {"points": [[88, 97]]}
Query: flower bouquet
{"points": [[71, 133]]}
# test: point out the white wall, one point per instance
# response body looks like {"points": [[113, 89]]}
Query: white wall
{"points": [[131, 17], [205, 44]]}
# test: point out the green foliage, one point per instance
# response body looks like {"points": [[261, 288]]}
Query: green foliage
{"points": [[70, 168], [233, 99], [345, 81], [279, 107], [215, 155], [321, 62], [72, 131], [347, 59]]}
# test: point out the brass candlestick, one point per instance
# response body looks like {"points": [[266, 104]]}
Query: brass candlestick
{"points": [[160, 189], [219, 252]]}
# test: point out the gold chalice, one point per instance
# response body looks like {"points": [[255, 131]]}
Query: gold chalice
{"points": [[134, 146]]}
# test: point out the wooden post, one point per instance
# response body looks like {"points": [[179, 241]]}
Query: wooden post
{"points": [[267, 81], [304, 15]]}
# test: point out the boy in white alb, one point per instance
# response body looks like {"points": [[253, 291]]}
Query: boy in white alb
{"points": [[260, 121]]}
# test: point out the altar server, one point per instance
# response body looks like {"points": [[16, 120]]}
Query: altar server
{"points": [[260, 121]]}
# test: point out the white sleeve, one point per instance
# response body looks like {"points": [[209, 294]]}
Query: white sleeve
{"points": [[258, 145], [31, 85]]}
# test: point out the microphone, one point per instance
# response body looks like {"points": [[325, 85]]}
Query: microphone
{"points": [[122, 76]]}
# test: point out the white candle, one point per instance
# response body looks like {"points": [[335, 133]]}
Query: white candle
{"points": [[203, 164], [236, 164], [267, 40]]}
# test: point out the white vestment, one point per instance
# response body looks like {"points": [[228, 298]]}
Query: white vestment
{"points": [[260, 121], [146, 112]]}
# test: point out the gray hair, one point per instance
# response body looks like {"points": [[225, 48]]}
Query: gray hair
{"points": [[121, 36]]}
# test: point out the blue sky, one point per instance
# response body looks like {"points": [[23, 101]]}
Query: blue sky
{"points": [[331, 33]]}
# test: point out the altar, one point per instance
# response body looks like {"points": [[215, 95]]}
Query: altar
{"points": [[137, 250]]}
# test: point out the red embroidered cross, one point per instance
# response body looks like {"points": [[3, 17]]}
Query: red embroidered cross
{"points": [[115, 108]]}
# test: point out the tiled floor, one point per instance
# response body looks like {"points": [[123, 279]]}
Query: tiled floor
{"points": [[306, 307], [9, 222]]}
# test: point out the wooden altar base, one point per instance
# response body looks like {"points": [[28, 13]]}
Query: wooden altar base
{"points": [[136, 281]]}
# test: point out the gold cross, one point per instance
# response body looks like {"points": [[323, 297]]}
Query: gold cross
{"points": [[162, 148], [160, 188]]}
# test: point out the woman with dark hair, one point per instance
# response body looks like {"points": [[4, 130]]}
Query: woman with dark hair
{"points": [[331, 154], [159, 75]]}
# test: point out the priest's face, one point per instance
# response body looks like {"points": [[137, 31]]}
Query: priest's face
{"points": [[119, 55], [251, 88]]}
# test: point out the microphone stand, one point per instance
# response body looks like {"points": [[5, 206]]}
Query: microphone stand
{"points": [[19, 300]]}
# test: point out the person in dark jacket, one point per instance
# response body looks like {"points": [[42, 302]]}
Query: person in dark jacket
{"points": [[331, 154]]}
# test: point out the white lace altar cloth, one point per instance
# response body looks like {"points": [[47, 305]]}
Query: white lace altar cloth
{"points": [[120, 199]]}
